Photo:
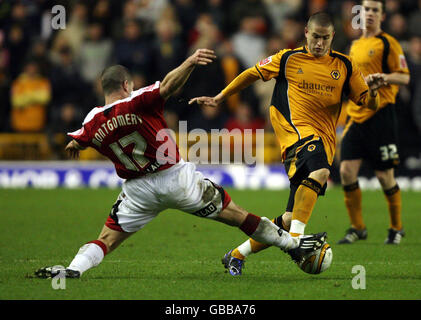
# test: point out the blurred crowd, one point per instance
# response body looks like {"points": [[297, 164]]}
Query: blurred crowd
{"points": [[49, 78]]}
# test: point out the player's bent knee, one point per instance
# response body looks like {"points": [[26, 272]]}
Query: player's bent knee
{"points": [[386, 178], [320, 175]]}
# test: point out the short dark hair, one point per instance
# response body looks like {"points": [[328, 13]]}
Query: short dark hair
{"points": [[113, 77], [383, 2], [322, 19]]}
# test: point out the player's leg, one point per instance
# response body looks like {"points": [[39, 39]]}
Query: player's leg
{"points": [[92, 253], [136, 206], [352, 153], [394, 201], [305, 199], [207, 199], [260, 229], [252, 246], [352, 193]]}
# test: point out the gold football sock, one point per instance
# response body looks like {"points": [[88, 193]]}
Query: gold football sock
{"points": [[353, 200], [304, 201], [394, 202]]}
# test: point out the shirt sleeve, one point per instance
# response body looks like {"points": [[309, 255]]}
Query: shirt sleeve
{"points": [[396, 59], [269, 68], [148, 99], [358, 88], [81, 136]]}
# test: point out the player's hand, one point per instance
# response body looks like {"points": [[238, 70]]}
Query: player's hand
{"points": [[205, 101], [202, 57], [73, 149], [376, 81]]}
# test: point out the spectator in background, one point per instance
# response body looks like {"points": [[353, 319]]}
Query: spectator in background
{"points": [[414, 24], [68, 84], [250, 8], [249, 43], [168, 49], [5, 100], [102, 14], [129, 13], [187, 15], [279, 10], [150, 11], [133, 51], [217, 9], [397, 27], [344, 32], [76, 28], [392, 6], [17, 43], [30, 96], [292, 33], [4, 52], [95, 53], [40, 53]]}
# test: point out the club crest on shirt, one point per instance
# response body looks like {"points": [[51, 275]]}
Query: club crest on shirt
{"points": [[371, 52], [265, 61], [335, 74], [311, 147], [402, 61]]}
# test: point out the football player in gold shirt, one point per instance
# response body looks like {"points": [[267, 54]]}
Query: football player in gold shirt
{"points": [[371, 135], [311, 82]]}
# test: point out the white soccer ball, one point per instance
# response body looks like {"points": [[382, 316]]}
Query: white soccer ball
{"points": [[317, 261]]}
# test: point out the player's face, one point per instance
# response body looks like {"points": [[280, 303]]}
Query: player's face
{"points": [[319, 39], [372, 14]]}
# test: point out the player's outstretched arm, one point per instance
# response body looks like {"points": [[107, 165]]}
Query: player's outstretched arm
{"points": [[398, 78], [176, 79], [242, 81], [73, 148]]}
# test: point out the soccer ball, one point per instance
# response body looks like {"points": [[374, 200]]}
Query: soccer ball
{"points": [[317, 261]]}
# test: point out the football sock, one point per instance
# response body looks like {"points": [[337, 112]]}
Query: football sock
{"points": [[252, 246], [248, 247], [304, 201], [265, 231], [89, 255], [394, 202], [353, 200]]}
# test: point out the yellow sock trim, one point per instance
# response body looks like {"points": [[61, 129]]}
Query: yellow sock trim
{"points": [[236, 254]]}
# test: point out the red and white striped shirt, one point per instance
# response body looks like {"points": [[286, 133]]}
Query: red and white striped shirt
{"points": [[132, 133]]}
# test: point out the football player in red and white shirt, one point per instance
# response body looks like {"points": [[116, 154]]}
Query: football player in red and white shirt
{"points": [[130, 131]]}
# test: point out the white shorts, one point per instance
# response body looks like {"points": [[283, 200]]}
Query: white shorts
{"points": [[178, 187]]}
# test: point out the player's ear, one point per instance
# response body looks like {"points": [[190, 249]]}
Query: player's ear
{"points": [[383, 18], [126, 86]]}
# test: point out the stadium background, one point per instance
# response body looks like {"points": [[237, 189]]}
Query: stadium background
{"points": [[49, 78]]}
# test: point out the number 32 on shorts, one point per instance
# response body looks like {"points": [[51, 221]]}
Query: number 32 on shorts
{"points": [[389, 152]]}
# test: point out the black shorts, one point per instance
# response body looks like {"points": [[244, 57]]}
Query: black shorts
{"points": [[375, 140], [302, 158]]}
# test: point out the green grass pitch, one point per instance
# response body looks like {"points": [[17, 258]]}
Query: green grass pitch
{"points": [[178, 256]]}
